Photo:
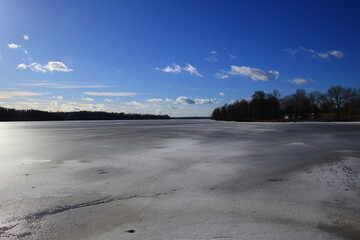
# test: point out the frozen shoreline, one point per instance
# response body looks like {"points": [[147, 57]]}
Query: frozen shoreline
{"points": [[182, 179]]}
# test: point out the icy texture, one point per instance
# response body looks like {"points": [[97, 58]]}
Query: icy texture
{"points": [[179, 179]]}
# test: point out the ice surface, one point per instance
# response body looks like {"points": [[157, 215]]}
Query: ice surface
{"points": [[179, 179]]}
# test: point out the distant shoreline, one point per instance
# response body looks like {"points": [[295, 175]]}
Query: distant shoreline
{"points": [[7, 114]]}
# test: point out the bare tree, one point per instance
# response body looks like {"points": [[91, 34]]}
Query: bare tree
{"points": [[339, 95]]}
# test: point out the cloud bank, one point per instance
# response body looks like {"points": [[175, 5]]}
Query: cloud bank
{"points": [[19, 94]]}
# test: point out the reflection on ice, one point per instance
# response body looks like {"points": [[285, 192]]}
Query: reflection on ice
{"points": [[296, 144], [30, 161]]}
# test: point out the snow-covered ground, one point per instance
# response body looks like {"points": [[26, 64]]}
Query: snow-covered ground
{"points": [[179, 179]]}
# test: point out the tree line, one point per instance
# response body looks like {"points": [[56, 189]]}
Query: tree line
{"points": [[7, 114], [338, 103]]}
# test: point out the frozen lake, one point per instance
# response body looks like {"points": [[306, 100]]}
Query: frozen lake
{"points": [[179, 179]]}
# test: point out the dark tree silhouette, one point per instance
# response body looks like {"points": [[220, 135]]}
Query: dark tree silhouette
{"points": [[315, 100], [7, 114], [338, 96], [297, 106]]}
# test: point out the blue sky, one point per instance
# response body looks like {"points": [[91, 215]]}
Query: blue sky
{"points": [[181, 58]]}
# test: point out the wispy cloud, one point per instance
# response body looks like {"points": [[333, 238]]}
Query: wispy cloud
{"points": [[88, 99], [152, 100], [299, 81], [137, 105], [233, 57], [212, 58], [175, 69], [13, 45], [60, 97], [222, 94], [55, 105], [49, 67], [221, 75], [18, 46], [60, 86], [254, 73], [110, 94], [316, 54], [178, 69], [108, 100], [192, 70], [205, 101], [19, 94], [336, 53]]}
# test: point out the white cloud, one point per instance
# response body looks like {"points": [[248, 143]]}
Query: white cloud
{"points": [[108, 100], [59, 97], [110, 94], [58, 66], [253, 73], [154, 100], [13, 45], [337, 54], [36, 67], [175, 69], [88, 99], [316, 54], [214, 52], [19, 94], [184, 99], [21, 66], [222, 94], [134, 103], [168, 100], [205, 101], [178, 69], [192, 70], [50, 66], [221, 75], [299, 81]]}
